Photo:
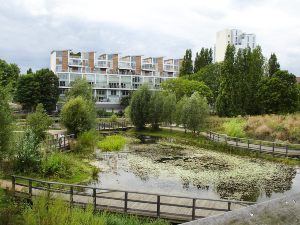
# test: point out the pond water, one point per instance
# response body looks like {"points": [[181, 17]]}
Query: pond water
{"points": [[160, 166]]}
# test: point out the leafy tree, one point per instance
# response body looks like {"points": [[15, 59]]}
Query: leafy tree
{"points": [[203, 59], [29, 71], [279, 93], [169, 106], [9, 73], [48, 90], [6, 125], [156, 103], [78, 115], [274, 65], [181, 112], [139, 107], [125, 101], [198, 112], [187, 63], [181, 87], [28, 157], [80, 87], [39, 122]]}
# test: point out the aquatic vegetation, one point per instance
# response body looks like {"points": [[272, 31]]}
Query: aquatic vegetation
{"points": [[112, 143], [230, 176]]}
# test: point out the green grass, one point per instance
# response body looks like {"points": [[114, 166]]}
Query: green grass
{"points": [[235, 127], [203, 142], [112, 143]]}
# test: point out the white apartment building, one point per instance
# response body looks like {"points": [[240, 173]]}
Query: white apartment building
{"points": [[233, 37], [112, 76]]}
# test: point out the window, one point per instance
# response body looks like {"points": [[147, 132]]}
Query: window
{"points": [[113, 92], [100, 92], [62, 83], [125, 92]]}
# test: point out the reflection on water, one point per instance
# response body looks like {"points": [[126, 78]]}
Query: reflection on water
{"points": [[116, 173]]}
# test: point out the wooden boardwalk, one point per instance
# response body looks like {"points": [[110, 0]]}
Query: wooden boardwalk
{"points": [[170, 207], [111, 126], [275, 148]]}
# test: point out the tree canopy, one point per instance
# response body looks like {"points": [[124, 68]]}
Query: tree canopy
{"points": [[273, 65], [203, 58], [9, 74], [187, 63], [80, 87]]}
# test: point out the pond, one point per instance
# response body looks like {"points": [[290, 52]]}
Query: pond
{"points": [[164, 166]]}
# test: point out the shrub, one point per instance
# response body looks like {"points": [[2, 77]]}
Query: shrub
{"points": [[103, 113], [86, 142], [235, 127], [112, 143], [113, 118]]}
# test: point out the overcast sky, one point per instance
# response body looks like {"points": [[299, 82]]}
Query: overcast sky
{"points": [[30, 29]]}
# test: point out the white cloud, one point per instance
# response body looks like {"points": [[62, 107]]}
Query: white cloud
{"points": [[32, 28]]}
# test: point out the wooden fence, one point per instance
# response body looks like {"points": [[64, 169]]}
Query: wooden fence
{"points": [[103, 126], [61, 142], [275, 148], [171, 207]]}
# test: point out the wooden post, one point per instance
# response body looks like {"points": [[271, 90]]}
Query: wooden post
{"points": [[273, 148], [13, 185], [48, 191], [71, 196], [229, 206], [30, 188], [213, 137], [126, 201], [64, 141], [248, 143], [218, 137], [236, 141], [286, 150], [194, 209], [260, 147], [94, 199], [209, 134], [158, 206], [226, 140]]}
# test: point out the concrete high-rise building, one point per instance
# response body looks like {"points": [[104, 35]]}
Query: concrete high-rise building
{"points": [[111, 76], [233, 37]]}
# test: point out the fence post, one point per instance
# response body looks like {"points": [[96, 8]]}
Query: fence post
{"points": [[226, 140], [94, 199], [236, 141], [13, 185], [209, 134], [194, 209], [229, 206], [286, 150], [64, 141], [48, 191], [218, 137], [273, 148], [71, 196], [213, 136], [158, 206], [248, 142], [260, 147], [126, 201], [30, 188]]}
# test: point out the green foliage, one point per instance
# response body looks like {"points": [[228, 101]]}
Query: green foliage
{"points": [[6, 125], [235, 127], [39, 122], [181, 112], [273, 65], [125, 101], [28, 157], [169, 106], [156, 109], [9, 74], [112, 143], [103, 113], [58, 212], [279, 93], [187, 63], [86, 142], [113, 118], [78, 115], [202, 59], [80, 87], [9, 210], [181, 87], [39, 87], [139, 106]]}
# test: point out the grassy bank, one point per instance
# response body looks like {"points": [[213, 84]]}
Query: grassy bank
{"points": [[112, 143], [202, 142]]}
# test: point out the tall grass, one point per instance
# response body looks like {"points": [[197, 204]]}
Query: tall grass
{"points": [[59, 213], [112, 143], [235, 127]]}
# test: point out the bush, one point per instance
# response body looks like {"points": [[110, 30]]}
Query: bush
{"points": [[235, 127], [113, 118], [103, 113], [78, 115], [112, 143], [86, 142]]}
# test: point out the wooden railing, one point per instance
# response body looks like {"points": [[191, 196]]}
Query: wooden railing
{"points": [[276, 148], [60, 142], [171, 207], [113, 126]]}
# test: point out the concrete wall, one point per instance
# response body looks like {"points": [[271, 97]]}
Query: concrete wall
{"points": [[282, 211]]}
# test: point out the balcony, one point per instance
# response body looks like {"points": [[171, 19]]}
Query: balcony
{"points": [[169, 68], [126, 65], [103, 64], [149, 66], [76, 63]]}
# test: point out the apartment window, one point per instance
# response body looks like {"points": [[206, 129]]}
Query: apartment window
{"points": [[125, 92], [113, 92], [136, 79], [62, 83], [100, 92], [113, 85]]}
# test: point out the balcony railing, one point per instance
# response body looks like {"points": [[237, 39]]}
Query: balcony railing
{"points": [[103, 64], [149, 66], [126, 65]]}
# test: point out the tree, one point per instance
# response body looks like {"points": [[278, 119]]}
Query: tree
{"points": [[182, 86], [78, 115], [39, 122], [29, 71], [139, 107], [6, 125], [198, 112], [274, 65], [48, 90], [279, 93], [125, 101], [80, 87], [9, 73], [187, 63], [169, 107], [181, 112], [203, 59], [40, 87], [156, 103]]}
